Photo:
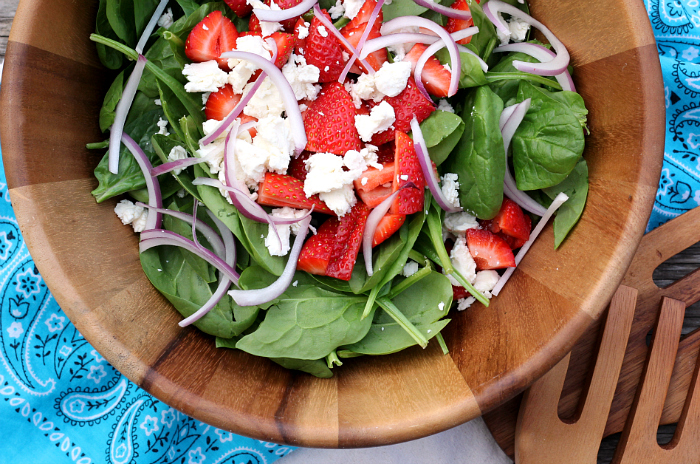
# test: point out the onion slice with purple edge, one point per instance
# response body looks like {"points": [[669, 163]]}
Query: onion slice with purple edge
{"points": [[154, 197], [416, 21], [444, 10], [550, 68], [427, 167], [122, 110], [373, 221], [157, 237], [558, 201], [263, 295], [212, 237], [224, 283], [229, 167], [329, 25], [285, 90], [543, 54], [173, 165], [150, 26], [363, 39], [281, 15]]}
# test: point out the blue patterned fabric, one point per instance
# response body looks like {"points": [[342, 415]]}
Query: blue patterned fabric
{"points": [[676, 25], [61, 402]]}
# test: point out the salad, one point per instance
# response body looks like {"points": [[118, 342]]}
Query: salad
{"points": [[317, 180]]}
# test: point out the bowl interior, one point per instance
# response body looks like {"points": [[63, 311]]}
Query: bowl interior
{"points": [[90, 261]]}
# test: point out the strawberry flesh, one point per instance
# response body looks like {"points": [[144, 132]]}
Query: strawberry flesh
{"points": [[324, 52], [241, 7], [387, 226], [488, 250], [435, 77], [214, 35], [374, 198], [330, 122], [285, 46], [407, 167], [353, 36], [375, 177], [316, 252], [297, 168], [281, 190], [455, 25]]}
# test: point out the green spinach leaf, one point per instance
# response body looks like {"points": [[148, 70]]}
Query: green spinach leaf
{"points": [[441, 131], [120, 14], [402, 8], [472, 75], [315, 367], [114, 94], [568, 214], [109, 57]]}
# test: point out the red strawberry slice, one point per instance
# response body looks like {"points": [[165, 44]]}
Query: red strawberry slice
{"points": [[348, 242], [375, 177], [435, 77], [330, 122], [285, 46], [385, 154], [353, 36], [246, 33], [281, 190], [387, 226], [221, 103], [323, 50], [214, 35], [316, 252], [301, 43], [488, 250], [454, 24], [373, 198], [241, 7], [407, 166], [459, 292], [364, 14], [297, 168], [513, 242], [511, 221], [254, 25]]}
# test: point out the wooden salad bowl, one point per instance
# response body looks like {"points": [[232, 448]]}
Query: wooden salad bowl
{"points": [[52, 90]]}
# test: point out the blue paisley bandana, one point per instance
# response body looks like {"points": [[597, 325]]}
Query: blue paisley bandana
{"points": [[676, 25]]}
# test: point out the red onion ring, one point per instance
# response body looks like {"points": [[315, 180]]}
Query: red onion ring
{"points": [[427, 166], [329, 25], [444, 10], [558, 201], [157, 237], [263, 295], [177, 164], [229, 160], [413, 21], [120, 113], [154, 197], [361, 43], [283, 87], [543, 54], [550, 68], [150, 26], [281, 15]]}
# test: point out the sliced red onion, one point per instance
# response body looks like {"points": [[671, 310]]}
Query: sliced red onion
{"points": [[509, 127], [154, 197], [418, 71], [444, 10], [263, 295], [329, 25], [121, 112], [413, 21], [543, 54], [505, 115], [558, 201], [173, 165], [195, 239], [216, 242], [157, 237], [150, 26], [363, 39], [229, 166], [427, 167], [284, 88], [281, 15], [550, 68]]}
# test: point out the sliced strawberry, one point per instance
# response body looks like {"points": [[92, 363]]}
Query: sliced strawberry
{"points": [[459, 292], [387, 226], [375, 177], [316, 252], [513, 242], [330, 122], [285, 46], [488, 250], [511, 221], [323, 50], [254, 25], [241, 7], [407, 166], [348, 242], [373, 198], [365, 13], [246, 33], [287, 24], [385, 154], [455, 25], [301, 43], [435, 77], [221, 103], [353, 36], [281, 190], [297, 168], [214, 35]]}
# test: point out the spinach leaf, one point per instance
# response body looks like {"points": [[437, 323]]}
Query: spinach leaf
{"points": [[255, 277], [200, 266], [575, 103], [479, 159], [548, 143], [173, 109], [141, 104], [120, 14], [255, 233], [568, 214], [143, 10], [441, 131], [508, 89], [382, 258], [315, 367], [188, 6], [109, 57], [471, 75], [334, 284], [114, 94], [486, 39], [402, 8], [307, 323]]}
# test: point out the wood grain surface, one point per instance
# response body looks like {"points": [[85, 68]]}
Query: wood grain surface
{"points": [[91, 264]]}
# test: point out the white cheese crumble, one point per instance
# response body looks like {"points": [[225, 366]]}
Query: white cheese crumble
{"points": [[158, 102], [410, 268], [398, 50], [163, 127], [242, 70], [204, 77], [322, 31], [302, 77], [465, 303], [337, 10], [267, 27], [166, 19], [281, 247], [266, 101], [392, 78], [485, 281], [444, 105], [129, 213], [458, 223], [381, 118], [365, 89], [269, 150], [450, 188], [327, 177], [177, 153], [462, 261], [303, 31], [352, 7], [517, 31]]}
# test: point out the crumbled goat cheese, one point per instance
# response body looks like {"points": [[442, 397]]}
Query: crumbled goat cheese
{"points": [[267, 27], [327, 177], [365, 89], [303, 31], [462, 261], [358, 162], [213, 153], [322, 31], [450, 188], [303, 107], [398, 50], [340, 201], [177, 153], [269, 150], [242, 70], [166, 19], [302, 77], [380, 119], [163, 127], [129, 213], [281, 247], [266, 101], [392, 78], [465, 303], [205, 97], [441, 306], [444, 105], [158, 102], [458, 223], [410, 268], [352, 7], [337, 10], [517, 31], [485, 281], [204, 77]]}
